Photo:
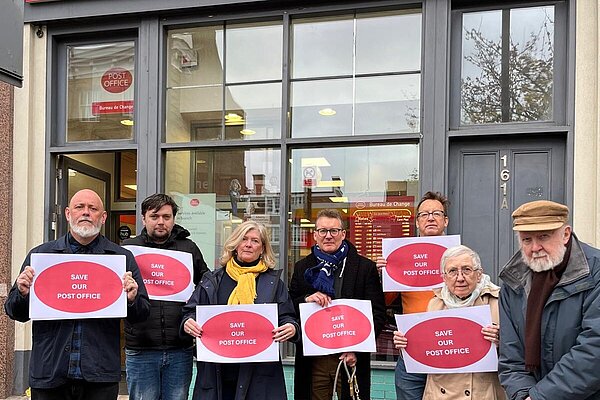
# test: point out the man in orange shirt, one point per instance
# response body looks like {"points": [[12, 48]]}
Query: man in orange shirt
{"points": [[432, 220]]}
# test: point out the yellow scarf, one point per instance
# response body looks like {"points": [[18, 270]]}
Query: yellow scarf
{"points": [[245, 291]]}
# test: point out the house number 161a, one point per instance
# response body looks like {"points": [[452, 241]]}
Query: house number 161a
{"points": [[504, 177]]}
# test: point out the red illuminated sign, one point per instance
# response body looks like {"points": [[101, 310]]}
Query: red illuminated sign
{"points": [[112, 107], [116, 80]]}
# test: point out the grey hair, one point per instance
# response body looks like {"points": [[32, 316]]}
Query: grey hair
{"points": [[457, 251]]}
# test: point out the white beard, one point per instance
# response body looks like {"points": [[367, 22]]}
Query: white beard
{"points": [[85, 231], [543, 264]]}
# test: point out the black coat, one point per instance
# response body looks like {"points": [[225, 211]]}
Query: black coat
{"points": [[161, 330], [256, 381], [100, 348], [361, 282]]}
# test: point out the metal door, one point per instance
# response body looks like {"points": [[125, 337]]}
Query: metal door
{"points": [[489, 178], [73, 176]]}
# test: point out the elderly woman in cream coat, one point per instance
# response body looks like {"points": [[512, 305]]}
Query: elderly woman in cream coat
{"points": [[465, 285]]}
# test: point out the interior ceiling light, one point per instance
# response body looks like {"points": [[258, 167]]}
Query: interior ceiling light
{"points": [[327, 112], [340, 199], [234, 119], [132, 187], [315, 162], [247, 132], [337, 183], [127, 122]]}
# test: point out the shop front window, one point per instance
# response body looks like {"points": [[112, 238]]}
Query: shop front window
{"points": [[375, 189], [219, 189], [221, 85], [367, 80], [100, 91]]}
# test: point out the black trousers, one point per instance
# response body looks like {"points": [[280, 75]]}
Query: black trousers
{"points": [[78, 390]]}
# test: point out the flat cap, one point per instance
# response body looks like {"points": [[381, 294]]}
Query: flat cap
{"points": [[540, 215]]}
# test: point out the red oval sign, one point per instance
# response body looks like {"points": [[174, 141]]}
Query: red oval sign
{"points": [[78, 286], [237, 334], [447, 342], [163, 275], [337, 326], [116, 80], [194, 202], [416, 264]]}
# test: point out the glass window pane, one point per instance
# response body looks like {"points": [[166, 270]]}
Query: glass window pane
{"points": [[195, 56], [375, 188], [253, 111], [388, 104], [194, 113], [507, 75], [127, 170], [100, 91], [194, 100], [481, 67], [322, 47], [254, 52], [388, 42], [322, 108], [531, 63], [218, 189]]}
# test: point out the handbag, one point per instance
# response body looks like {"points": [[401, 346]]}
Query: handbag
{"points": [[352, 382]]}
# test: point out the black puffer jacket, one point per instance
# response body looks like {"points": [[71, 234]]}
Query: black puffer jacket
{"points": [[161, 330]]}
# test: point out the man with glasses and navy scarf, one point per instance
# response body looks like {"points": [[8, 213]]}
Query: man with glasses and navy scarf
{"points": [[334, 270], [432, 220]]}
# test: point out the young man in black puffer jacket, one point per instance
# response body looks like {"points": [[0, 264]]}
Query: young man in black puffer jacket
{"points": [[158, 360]]}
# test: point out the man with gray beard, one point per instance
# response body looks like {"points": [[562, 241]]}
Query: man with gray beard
{"points": [[78, 358], [550, 310]]}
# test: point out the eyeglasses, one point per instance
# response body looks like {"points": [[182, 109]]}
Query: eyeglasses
{"points": [[333, 231], [466, 272], [436, 214]]}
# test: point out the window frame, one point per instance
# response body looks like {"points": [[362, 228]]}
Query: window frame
{"points": [[560, 93]]}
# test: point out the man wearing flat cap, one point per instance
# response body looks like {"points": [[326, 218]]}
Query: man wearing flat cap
{"points": [[550, 310]]}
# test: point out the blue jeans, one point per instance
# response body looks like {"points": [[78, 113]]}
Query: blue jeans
{"points": [[159, 374], [409, 386]]}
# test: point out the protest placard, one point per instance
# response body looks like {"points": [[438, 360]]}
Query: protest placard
{"points": [[237, 333], [167, 274], [413, 263], [344, 325], [68, 286], [448, 341]]}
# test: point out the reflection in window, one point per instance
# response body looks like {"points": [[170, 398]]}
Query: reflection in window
{"points": [[126, 165], [367, 80], [375, 188], [507, 65], [100, 91], [250, 83], [243, 184]]}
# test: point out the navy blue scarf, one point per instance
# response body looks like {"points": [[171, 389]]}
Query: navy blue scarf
{"points": [[321, 276]]}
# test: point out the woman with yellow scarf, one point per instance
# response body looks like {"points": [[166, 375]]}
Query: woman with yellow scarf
{"points": [[247, 277]]}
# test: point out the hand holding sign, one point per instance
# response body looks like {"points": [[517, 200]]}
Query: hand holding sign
{"points": [[25, 280], [320, 298], [192, 328], [284, 332], [130, 286]]}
